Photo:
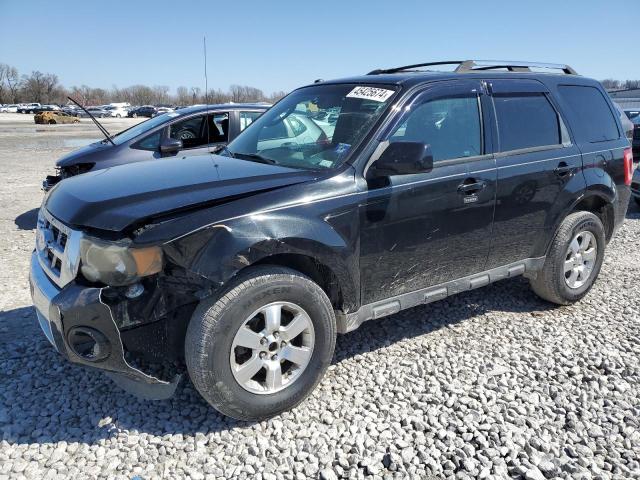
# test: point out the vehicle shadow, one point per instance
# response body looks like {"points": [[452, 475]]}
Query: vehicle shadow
{"points": [[27, 220], [48, 399]]}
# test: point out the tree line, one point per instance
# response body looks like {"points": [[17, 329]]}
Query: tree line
{"points": [[611, 84], [46, 88]]}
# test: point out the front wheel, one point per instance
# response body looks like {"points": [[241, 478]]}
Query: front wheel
{"points": [[574, 260], [263, 346]]}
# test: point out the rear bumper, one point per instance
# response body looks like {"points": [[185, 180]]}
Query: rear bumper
{"points": [[82, 329]]}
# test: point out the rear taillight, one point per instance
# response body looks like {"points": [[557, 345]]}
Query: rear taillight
{"points": [[628, 166]]}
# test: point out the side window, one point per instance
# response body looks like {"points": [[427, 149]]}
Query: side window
{"points": [[526, 121], [152, 142], [451, 125], [246, 118], [190, 131], [590, 114]]}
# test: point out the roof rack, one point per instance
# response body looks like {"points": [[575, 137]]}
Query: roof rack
{"points": [[465, 66]]}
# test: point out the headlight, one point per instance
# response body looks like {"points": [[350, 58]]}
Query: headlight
{"points": [[117, 263]]}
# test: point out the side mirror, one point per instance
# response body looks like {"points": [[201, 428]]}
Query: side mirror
{"points": [[170, 145], [404, 158]]}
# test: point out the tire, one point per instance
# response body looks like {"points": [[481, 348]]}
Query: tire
{"points": [[637, 199], [551, 283], [209, 343], [52, 122], [118, 115]]}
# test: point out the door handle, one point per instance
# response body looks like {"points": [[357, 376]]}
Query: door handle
{"points": [[562, 170], [471, 186]]}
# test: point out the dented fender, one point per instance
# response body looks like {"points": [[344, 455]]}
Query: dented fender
{"points": [[220, 251]]}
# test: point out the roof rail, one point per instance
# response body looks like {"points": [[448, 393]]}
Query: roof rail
{"points": [[465, 66]]}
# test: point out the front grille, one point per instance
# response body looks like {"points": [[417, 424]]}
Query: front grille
{"points": [[58, 248]]}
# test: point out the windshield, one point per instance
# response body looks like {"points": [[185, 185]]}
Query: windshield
{"points": [[130, 133], [315, 127]]}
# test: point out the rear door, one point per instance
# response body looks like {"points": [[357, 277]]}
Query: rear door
{"points": [[538, 169]]}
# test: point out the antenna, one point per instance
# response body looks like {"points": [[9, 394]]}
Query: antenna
{"points": [[206, 91]]}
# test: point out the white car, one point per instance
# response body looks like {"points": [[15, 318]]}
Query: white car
{"points": [[117, 111], [11, 108], [161, 110]]}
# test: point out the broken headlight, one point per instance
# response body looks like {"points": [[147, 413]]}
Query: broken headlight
{"points": [[117, 263]]}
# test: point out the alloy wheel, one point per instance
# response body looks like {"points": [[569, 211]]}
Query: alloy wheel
{"points": [[272, 348], [580, 259]]}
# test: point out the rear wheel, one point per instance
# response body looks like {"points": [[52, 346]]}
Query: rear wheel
{"points": [[52, 122], [262, 347], [574, 260]]}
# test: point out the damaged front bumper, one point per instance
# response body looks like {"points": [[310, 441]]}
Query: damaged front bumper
{"points": [[82, 328]]}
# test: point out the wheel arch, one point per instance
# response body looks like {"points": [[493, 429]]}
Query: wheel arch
{"points": [[314, 248]]}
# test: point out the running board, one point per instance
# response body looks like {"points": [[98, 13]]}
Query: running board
{"points": [[350, 321]]}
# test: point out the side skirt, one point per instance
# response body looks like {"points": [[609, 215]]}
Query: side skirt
{"points": [[350, 321]]}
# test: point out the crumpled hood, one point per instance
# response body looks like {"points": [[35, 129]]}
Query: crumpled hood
{"points": [[74, 157], [114, 198]]}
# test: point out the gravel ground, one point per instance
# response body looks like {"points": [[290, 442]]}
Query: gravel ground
{"points": [[493, 383]]}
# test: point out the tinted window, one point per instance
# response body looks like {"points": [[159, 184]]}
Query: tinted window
{"points": [[450, 125], [525, 121], [590, 115]]}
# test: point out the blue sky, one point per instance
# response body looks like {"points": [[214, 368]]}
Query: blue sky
{"points": [[279, 45]]}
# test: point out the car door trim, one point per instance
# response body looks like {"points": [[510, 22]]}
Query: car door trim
{"points": [[347, 322]]}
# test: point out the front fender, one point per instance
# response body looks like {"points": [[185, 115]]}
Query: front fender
{"points": [[220, 251]]}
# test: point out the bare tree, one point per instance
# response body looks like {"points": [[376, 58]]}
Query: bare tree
{"points": [[45, 88], [12, 79]]}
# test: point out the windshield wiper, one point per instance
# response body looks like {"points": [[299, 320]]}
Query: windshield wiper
{"points": [[224, 148], [254, 157]]}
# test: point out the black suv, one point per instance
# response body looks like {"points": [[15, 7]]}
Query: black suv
{"points": [[243, 266]]}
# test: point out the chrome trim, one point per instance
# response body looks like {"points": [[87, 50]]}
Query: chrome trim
{"points": [[57, 248], [42, 293]]}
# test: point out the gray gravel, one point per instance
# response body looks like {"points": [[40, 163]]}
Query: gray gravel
{"points": [[490, 384]]}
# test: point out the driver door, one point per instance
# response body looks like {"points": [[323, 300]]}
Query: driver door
{"points": [[425, 229]]}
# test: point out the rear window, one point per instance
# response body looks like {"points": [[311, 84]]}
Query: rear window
{"points": [[526, 121], [591, 118]]}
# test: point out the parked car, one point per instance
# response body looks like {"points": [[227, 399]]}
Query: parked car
{"points": [[246, 264], [143, 111], [71, 110], [161, 110], [28, 108], [116, 111], [183, 133], [632, 113], [47, 108], [10, 108], [635, 185], [97, 112], [636, 137], [52, 117]]}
